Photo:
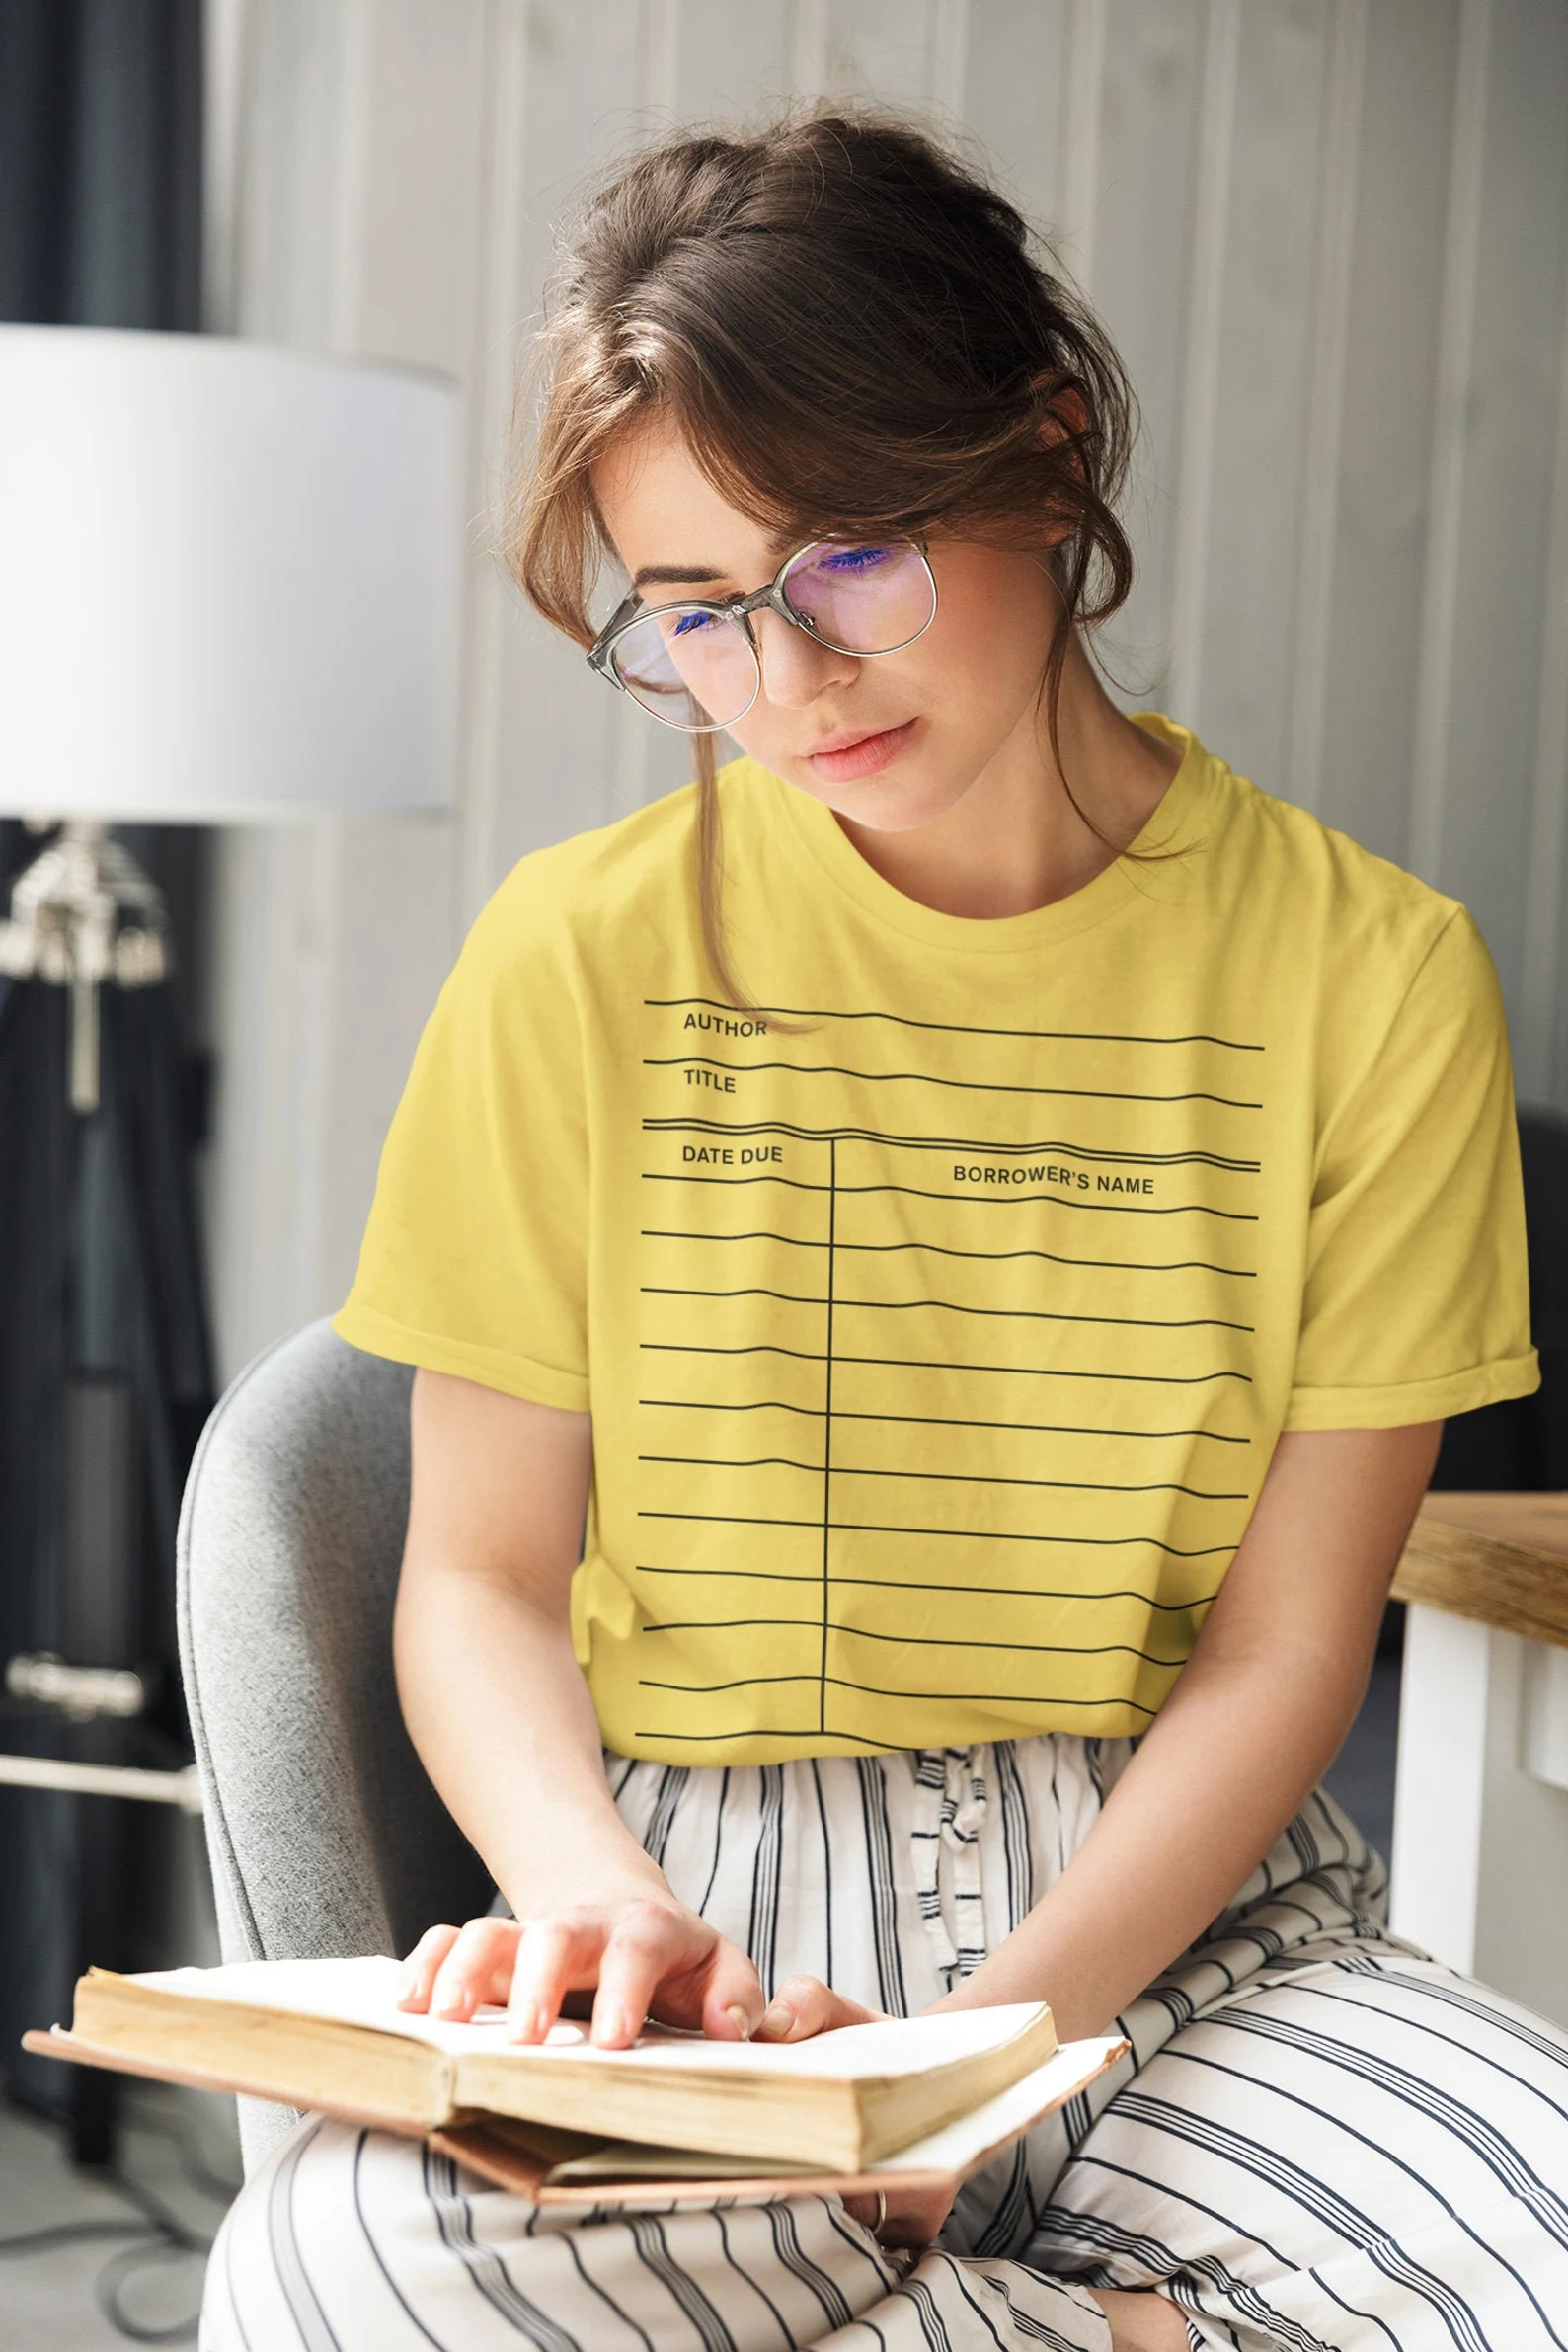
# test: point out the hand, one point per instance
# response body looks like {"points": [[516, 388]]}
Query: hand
{"points": [[803, 2005], [909, 2216], [641, 1953]]}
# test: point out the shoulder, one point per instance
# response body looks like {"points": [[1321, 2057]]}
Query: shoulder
{"points": [[1371, 966], [570, 901], [1332, 909]]}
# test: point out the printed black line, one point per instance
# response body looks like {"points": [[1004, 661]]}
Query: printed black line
{"points": [[927, 1641], [757, 1233], [942, 1249], [845, 1133], [1030, 1699], [1097, 1037], [827, 1428], [953, 1306], [756, 1462], [903, 1583], [740, 1683], [794, 1184], [762, 1730], [916, 1077], [1003, 1200], [745, 1290], [679, 1347], [1066, 1429], [845, 1469], [864, 1527], [1081, 1486], [1034, 1372]]}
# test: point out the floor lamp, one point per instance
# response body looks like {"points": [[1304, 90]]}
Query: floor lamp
{"points": [[229, 592]]}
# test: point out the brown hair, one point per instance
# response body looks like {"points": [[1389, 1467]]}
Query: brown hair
{"points": [[857, 338]]}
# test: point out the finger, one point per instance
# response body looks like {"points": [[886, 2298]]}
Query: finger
{"points": [[914, 2221], [902, 2231], [553, 1955], [418, 1969], [733, 1998], [646, 1944], [913, 2226], [478, 1968], [802, 2006]]}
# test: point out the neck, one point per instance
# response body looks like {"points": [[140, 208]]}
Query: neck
{"points": [[1015, 841]]}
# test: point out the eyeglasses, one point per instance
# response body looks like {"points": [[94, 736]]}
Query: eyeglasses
{"points": [[697, 666]]}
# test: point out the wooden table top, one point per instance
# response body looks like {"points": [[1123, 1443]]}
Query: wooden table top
{"points": [[1501, 1559]]}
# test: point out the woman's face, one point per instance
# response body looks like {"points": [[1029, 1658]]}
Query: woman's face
{"points": [[891, 741]]}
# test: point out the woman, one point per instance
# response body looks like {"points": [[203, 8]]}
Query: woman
{"points": [[986, 1213]]}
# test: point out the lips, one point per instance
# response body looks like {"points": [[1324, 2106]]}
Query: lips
{"points": [[845, 758]]}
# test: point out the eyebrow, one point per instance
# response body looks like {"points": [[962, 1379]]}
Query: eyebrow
{"points": [[673, 576], [702, 574]]}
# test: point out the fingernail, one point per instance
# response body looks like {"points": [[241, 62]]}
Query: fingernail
{"points": [[777, 2022], [737, 2018], [406, 1985], [451, 2004], [528, 2025], [617, 2027]]}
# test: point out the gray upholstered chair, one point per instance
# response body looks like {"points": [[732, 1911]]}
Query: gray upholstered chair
{"points": [[324, 1833]]}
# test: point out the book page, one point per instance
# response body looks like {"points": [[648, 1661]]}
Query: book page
{"points": [[365, 1993], [622, 2173], [957, 2145]]}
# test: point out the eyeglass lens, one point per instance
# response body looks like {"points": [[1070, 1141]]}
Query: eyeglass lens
{"points": [[694, 670]]}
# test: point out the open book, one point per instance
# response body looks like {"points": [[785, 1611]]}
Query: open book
{"points": [[676, 2115]]}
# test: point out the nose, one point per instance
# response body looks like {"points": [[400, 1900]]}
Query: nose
{"points": [[794, 667]]}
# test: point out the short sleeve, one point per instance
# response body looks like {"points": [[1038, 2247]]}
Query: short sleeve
{"points": [[1416, 1302], [474, 1257]]}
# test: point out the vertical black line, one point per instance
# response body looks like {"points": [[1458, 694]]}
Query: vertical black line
{"points": [[827, 1428]]}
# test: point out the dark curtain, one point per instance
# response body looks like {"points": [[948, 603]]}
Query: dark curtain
{"points": [[1524, 1444], [105, 1375]]}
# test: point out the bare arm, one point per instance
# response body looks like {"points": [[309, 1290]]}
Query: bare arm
{"points": [[1256, 1717], [497, 1706], [482, 1636]]}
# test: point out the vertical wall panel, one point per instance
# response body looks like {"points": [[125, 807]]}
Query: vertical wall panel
{"points": [[1301, 777], [1143, 265], [563, 748], [1511, 403], [1242, 692], [1015, 80], [882, 49], [1197, 449], [1462, 234], [728, 57], [1379, 508], [1542, 1045]]}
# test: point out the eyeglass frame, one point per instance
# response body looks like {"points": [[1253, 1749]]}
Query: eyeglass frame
{"points": [[631, 612]]}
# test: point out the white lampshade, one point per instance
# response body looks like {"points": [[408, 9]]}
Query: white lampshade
{"points": [[229, 579]]}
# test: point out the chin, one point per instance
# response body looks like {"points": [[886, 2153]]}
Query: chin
{"points": [[890, 803]]}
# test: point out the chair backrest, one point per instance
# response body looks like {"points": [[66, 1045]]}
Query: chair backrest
{"points": [[325, 1834]]}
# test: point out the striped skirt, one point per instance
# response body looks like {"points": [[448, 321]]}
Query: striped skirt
{"points": [[1320, 2140]]}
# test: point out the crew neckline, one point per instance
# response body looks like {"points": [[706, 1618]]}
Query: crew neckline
{"points": [[811, 827]]}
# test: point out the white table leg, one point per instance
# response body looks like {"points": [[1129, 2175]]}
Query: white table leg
{"points": [[1480, 1847], [1440, 1787]]}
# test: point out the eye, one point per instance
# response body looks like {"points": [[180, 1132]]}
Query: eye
{"points": [[691, 621], [853, 559]]}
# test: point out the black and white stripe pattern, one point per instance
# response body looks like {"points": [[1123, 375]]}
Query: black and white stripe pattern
{"points": [[1322, 2141]]}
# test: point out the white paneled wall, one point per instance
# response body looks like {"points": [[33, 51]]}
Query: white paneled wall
{"points": [[1331, 240]]}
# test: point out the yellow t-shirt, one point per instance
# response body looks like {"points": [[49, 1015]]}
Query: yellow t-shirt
{"points": [[936, 1348]]}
